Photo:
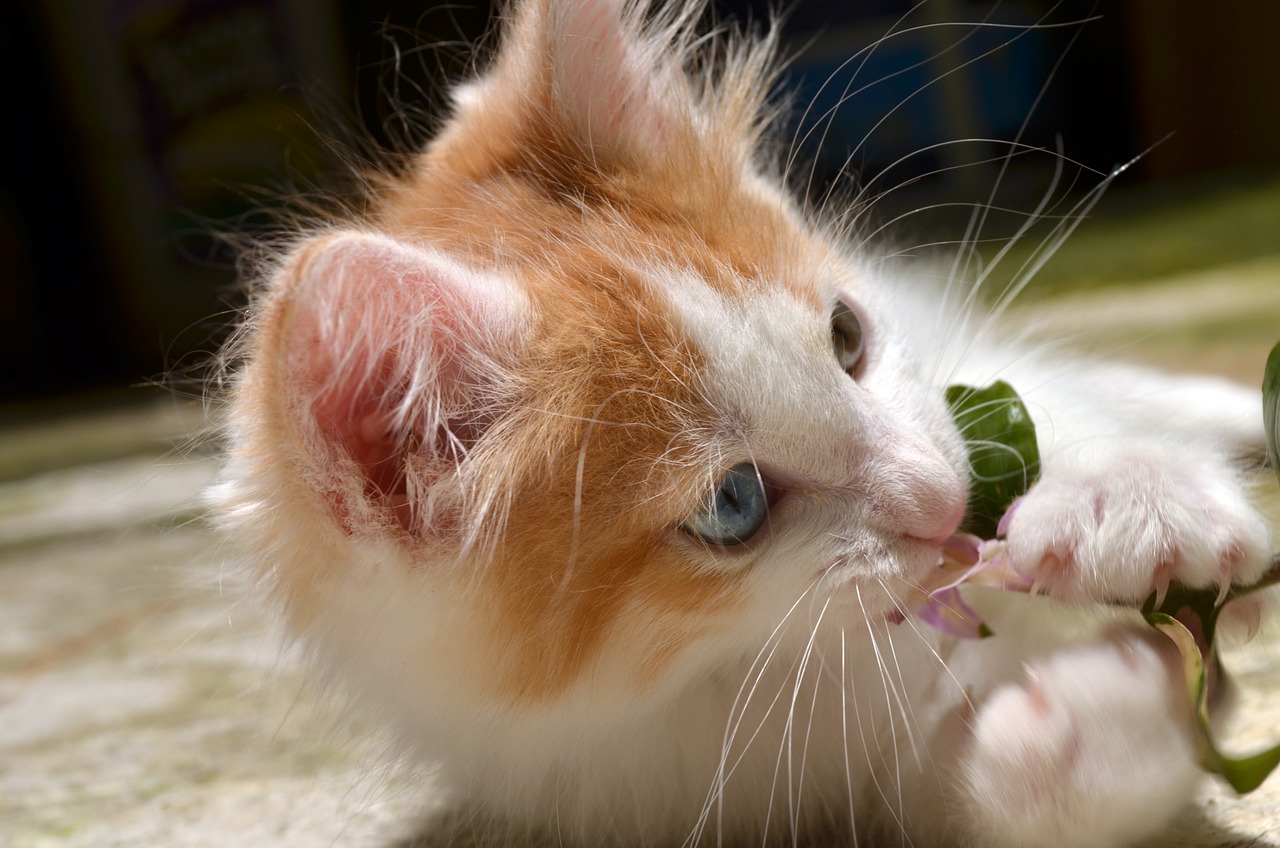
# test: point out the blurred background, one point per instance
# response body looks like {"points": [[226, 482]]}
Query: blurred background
{"points": [[143, 133]]}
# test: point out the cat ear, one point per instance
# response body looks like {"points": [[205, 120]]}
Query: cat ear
{"points": [[392, 371], [619, 92], [600, 80]]}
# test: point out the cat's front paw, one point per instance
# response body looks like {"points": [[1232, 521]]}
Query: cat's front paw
{"points": [[1092, 748], [1114, 525]]}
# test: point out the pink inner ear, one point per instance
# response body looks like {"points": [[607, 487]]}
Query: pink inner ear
{"points": [[388, 353], [600, 77], [356, 417]]}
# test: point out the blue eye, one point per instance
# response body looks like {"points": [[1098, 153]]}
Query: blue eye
{"points": [[734, 511]]}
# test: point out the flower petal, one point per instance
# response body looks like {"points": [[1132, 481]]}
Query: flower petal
{"points": [[946, 611], [1002, 529], [961, 550]]}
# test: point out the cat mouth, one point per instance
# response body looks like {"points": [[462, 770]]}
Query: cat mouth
{"points": [[900, 558]]}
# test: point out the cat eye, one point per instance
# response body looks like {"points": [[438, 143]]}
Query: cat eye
{"points": [[734, 512], [846, 337]]}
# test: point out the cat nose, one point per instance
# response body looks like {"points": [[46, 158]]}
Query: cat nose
{"points": [[918, 494], [941, 530]]}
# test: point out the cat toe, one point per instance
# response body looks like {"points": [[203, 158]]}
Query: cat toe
{"points": [[1117, 528]]}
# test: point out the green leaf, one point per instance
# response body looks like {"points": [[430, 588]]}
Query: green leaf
{"points": [[1244, 774], [1182, 603], [1271, 406], [1004, 459]]}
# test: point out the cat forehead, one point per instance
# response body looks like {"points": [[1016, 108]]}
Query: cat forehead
{"points": [[731, 321], [767, 366]]}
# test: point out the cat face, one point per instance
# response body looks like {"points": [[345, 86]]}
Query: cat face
{"points": [[585, 405]]}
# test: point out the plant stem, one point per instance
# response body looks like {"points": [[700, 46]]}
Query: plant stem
{"points": [[1271, 578]]}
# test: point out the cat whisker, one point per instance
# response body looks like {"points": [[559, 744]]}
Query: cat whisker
{"points": [[972, 231], [891, 697], [862, 56], [737, 713], [661, 362], [933, 651], [848, 220], [905, 710], [844, 735], [797, 141], [1050, 245], [911, 723], [594, 419], [1022, 31], [1065, 227], [978, 221], [794, 795], [579, 478], [872, 771], [933, 207], [865, 53]]}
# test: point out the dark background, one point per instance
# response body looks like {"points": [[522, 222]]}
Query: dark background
{"points": [[142, 133]]}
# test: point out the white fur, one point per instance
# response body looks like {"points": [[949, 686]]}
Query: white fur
{"points": [[803, 712], [807, 705]]}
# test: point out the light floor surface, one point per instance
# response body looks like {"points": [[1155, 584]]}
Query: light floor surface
{"points": [[143, 702]]}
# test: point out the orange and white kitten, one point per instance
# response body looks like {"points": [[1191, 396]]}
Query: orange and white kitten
{"points": [[597, 463]]}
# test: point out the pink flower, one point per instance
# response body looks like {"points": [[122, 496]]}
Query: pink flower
{"points": [[965, 560]]}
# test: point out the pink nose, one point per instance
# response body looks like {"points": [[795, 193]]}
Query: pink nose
{"points": [[913, 490], [940, 531], [923, 501]]}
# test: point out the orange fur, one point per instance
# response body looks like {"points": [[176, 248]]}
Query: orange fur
{"points": [[606, 380], [490, 447]]}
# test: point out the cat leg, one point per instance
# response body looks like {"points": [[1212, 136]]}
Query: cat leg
{"points": [[1092, 748]]}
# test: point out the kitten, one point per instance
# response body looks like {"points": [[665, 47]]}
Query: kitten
{"points": [[597, 464]]}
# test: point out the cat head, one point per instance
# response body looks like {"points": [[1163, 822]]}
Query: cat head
{"points": [[584, 405]]}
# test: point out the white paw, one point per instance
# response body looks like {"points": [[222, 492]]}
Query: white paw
{"points": [[1115, 525], [1091, 749]]}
